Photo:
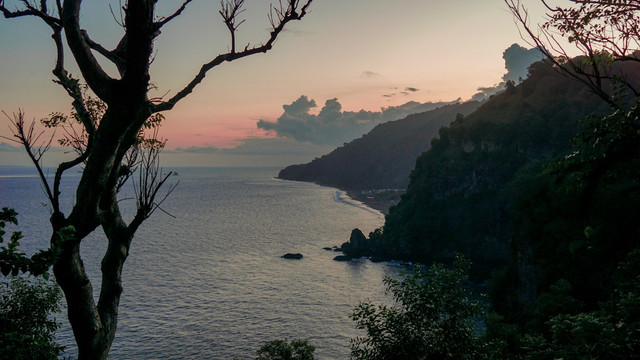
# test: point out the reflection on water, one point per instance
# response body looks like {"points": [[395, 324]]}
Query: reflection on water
{"points": [[210, 283]]}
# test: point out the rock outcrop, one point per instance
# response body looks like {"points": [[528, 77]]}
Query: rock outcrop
{"points": [[292, 256], [357, 246]]}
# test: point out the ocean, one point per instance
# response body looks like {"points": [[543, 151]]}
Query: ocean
{"points": [[205, 278]]}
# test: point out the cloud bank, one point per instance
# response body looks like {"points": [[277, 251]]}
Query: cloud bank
{"points": [[6, 147], [332, 126], [257, 146], [251, 152], [517, 60]]}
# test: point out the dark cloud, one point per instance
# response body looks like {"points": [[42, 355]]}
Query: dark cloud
{"points": [[194, 150], [258, 146], [332, 126], [6, 147], [517, 60], [369, 74], [485, 92], [276, 146], [407, 90]]}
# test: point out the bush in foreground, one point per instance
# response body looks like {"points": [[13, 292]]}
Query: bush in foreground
{"points": [[435, 318], [27, 330]]}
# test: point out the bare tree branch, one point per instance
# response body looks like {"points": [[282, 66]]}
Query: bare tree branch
{"points": [[596, 39], [279, 17], [163, 21], [150, 181], [97, 79], [112, 56], [230, 9], [71, 85], [30, 141], [31, 10]]}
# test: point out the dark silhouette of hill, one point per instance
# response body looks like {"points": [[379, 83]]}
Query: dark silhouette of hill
{"points": [[382, 158], [458, 199]]}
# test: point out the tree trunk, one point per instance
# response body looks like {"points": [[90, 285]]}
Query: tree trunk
{"points": [[94, 325], [82, 312]]}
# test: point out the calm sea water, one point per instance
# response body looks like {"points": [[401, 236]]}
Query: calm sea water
{"points": [[209, 283]]}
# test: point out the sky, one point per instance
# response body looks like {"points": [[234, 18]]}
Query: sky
{"points": [[348, 65]]}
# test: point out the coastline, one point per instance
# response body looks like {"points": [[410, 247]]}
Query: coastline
{"points": [[380, 200], [377, 199]]}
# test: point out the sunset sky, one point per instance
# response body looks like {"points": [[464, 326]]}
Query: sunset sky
{"points": [[368, 54]]}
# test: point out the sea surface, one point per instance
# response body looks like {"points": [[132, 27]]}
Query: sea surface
{"points": [[205, 278]]}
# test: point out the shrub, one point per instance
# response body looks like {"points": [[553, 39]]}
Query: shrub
{"points": [[27, 330]]}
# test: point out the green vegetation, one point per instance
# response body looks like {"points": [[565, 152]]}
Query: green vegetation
{"points": [[571, 289], [455, 189], [27, 330], [566, 282], [382, 158], [437, 316], [542, 192], [434, 318], [551, 223], [283, 350], [14, 262]]}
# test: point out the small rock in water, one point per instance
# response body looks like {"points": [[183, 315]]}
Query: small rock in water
{"points": [[327, 248], [292, 256], [342, 258]]}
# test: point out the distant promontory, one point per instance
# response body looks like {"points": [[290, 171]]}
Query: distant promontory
{"points": [[374, 166]]}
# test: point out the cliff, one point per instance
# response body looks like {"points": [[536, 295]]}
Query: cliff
{"points": [[455, 198]]}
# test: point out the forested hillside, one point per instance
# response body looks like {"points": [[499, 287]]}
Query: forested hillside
{"points": [[455, 199], [540, 189], [382, 158]]}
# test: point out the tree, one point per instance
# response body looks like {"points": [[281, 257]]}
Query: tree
{"points": [[603, 32], [109, 140], [26, 329], [283, 350], [434, 318]]}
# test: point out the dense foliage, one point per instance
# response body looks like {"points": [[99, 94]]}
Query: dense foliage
{"points": [[27, 330], [454, 190], [437, 316], [572, 286], [434, 318], [284, 350], [14, 262], [547, 207]]}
